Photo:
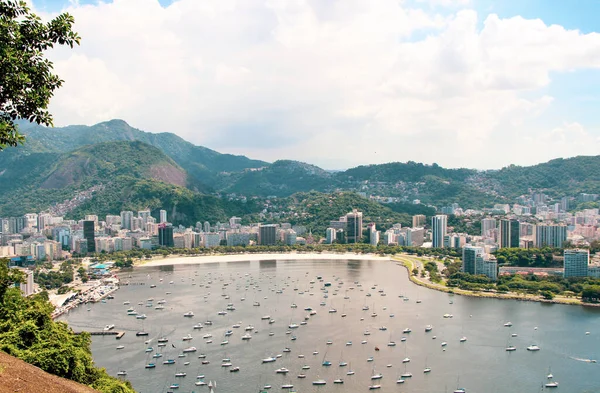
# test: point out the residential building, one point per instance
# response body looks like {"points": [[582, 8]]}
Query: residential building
{"points": [[162, 216], [419, 220], [238, 239], [488, 226], [126, 217], [439, 225], [550, 235], [576, 262], [290, 237], [329, 235], [211, 240], [476, 262]]}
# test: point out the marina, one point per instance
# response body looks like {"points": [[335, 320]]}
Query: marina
{"points": [[319, 347]]}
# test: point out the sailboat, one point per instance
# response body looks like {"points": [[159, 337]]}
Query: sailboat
{"points": [[326, 363], [212, 386], [509, 346], [427, 369], [350, 372]]}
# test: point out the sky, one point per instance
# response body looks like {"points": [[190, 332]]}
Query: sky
{"points": [[339, 83]]}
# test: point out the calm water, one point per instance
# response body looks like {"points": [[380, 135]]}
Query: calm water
{"points": [[480, 364]]}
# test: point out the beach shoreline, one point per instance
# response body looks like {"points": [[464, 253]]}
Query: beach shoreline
{"points": [[250, 257]]}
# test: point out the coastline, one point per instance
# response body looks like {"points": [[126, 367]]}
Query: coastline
{"points": [[406, 262], [249, 257]]}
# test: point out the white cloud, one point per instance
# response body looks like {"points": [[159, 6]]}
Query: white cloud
{"points": [[335, 83]]}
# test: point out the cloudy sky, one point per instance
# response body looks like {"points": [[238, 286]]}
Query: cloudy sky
{"points": [[338, 83]]}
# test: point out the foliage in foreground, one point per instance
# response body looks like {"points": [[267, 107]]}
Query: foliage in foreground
{"points": [[28, 332]]}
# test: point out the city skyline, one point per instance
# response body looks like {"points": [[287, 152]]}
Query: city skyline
{"points": [[431, 70]]}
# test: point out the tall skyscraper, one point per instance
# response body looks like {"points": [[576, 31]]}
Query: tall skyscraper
{"points": [[89, 235], [510, 233], [165, 235], [354, 222], [163, 216], [439, 224], [471, 255], [126, 217], [550, 235], [418, 221], [206, 226], [329, 236], [267, 235], [576, 262]]}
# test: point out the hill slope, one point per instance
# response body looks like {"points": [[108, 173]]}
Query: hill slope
{"points": [[200, 162], [18, 376]]}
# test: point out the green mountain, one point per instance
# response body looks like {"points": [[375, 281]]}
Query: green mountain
{"points": [[200, 162], [122, 175]]}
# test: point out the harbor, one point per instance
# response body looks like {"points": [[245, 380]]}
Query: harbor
{"points": [[334, 326]]}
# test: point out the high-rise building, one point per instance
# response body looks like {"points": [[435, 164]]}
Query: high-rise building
{"points": [[329, 235], [89, 235], [291, 237], [267, 235], [510, 233], [126, 217], [354, 226], [235, 222], [165, 235], [419, 220], [477, 263], [470, 257], [163, 216], [439, 224], [550, 235], [206, 226], [576, 262], [488, 225]]}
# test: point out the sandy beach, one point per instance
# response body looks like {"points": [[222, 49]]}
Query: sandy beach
{"points": [[181, 260]]}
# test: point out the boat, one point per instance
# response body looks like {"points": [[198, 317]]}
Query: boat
{"points": [[174, 386], [428, 328], [282, 370], [190, 349], [169, 361], [138, 334], [109, 327], [187, 338], [121, 347], [198, 326], [374, 387], [463, 339], [234, 369], [407, 330], [338, 381], [180, 375], [246, 336], [508, 324], [189, 314], [511, 348], [319, 382], [150, 365], [157, 355], [269, 360], [142, 316], [287, 386], [552, 384], [376, 376], [427, 370], [533, 348], [301, 376], [122, 373], [163, 340]]}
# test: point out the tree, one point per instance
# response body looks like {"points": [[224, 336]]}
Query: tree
{"points": [[26, 79]]}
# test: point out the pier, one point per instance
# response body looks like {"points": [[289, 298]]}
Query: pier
{"points": [[118, 334]]}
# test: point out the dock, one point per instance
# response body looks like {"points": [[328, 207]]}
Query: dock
{"points": [[118, 334]]}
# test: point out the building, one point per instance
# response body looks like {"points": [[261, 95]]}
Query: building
{"points": [[211, 240], [27, 284], [419, 220], [89, 235], [267, 235], [550, 235], [165, 235], [126, 217], [291, 237], [576, 262], [238, 239], [510, 233], [329, 235], [439, 224], [476, 262], [162, 216], [206, 226], [488, 226], [354, 222]]}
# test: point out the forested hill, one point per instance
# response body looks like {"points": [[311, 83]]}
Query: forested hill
{"points": [[211, 172]]}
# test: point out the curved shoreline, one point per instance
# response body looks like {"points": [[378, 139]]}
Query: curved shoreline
{"points": [[487, 295], [248, 257]]}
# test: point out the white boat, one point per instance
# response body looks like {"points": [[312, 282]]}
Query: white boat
{"points": [[406, 360], [122, 373], [463, 339], [282, 370], [508, 324], [374, 387], [428, 328], [190, 349], [246, 336], [377, 376], [109, 327], [143, 316], [180, 375], [187, 338], [319, 382], [338, 381], [533, 348], [189, 314], [121, 347], [511, 348]]}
